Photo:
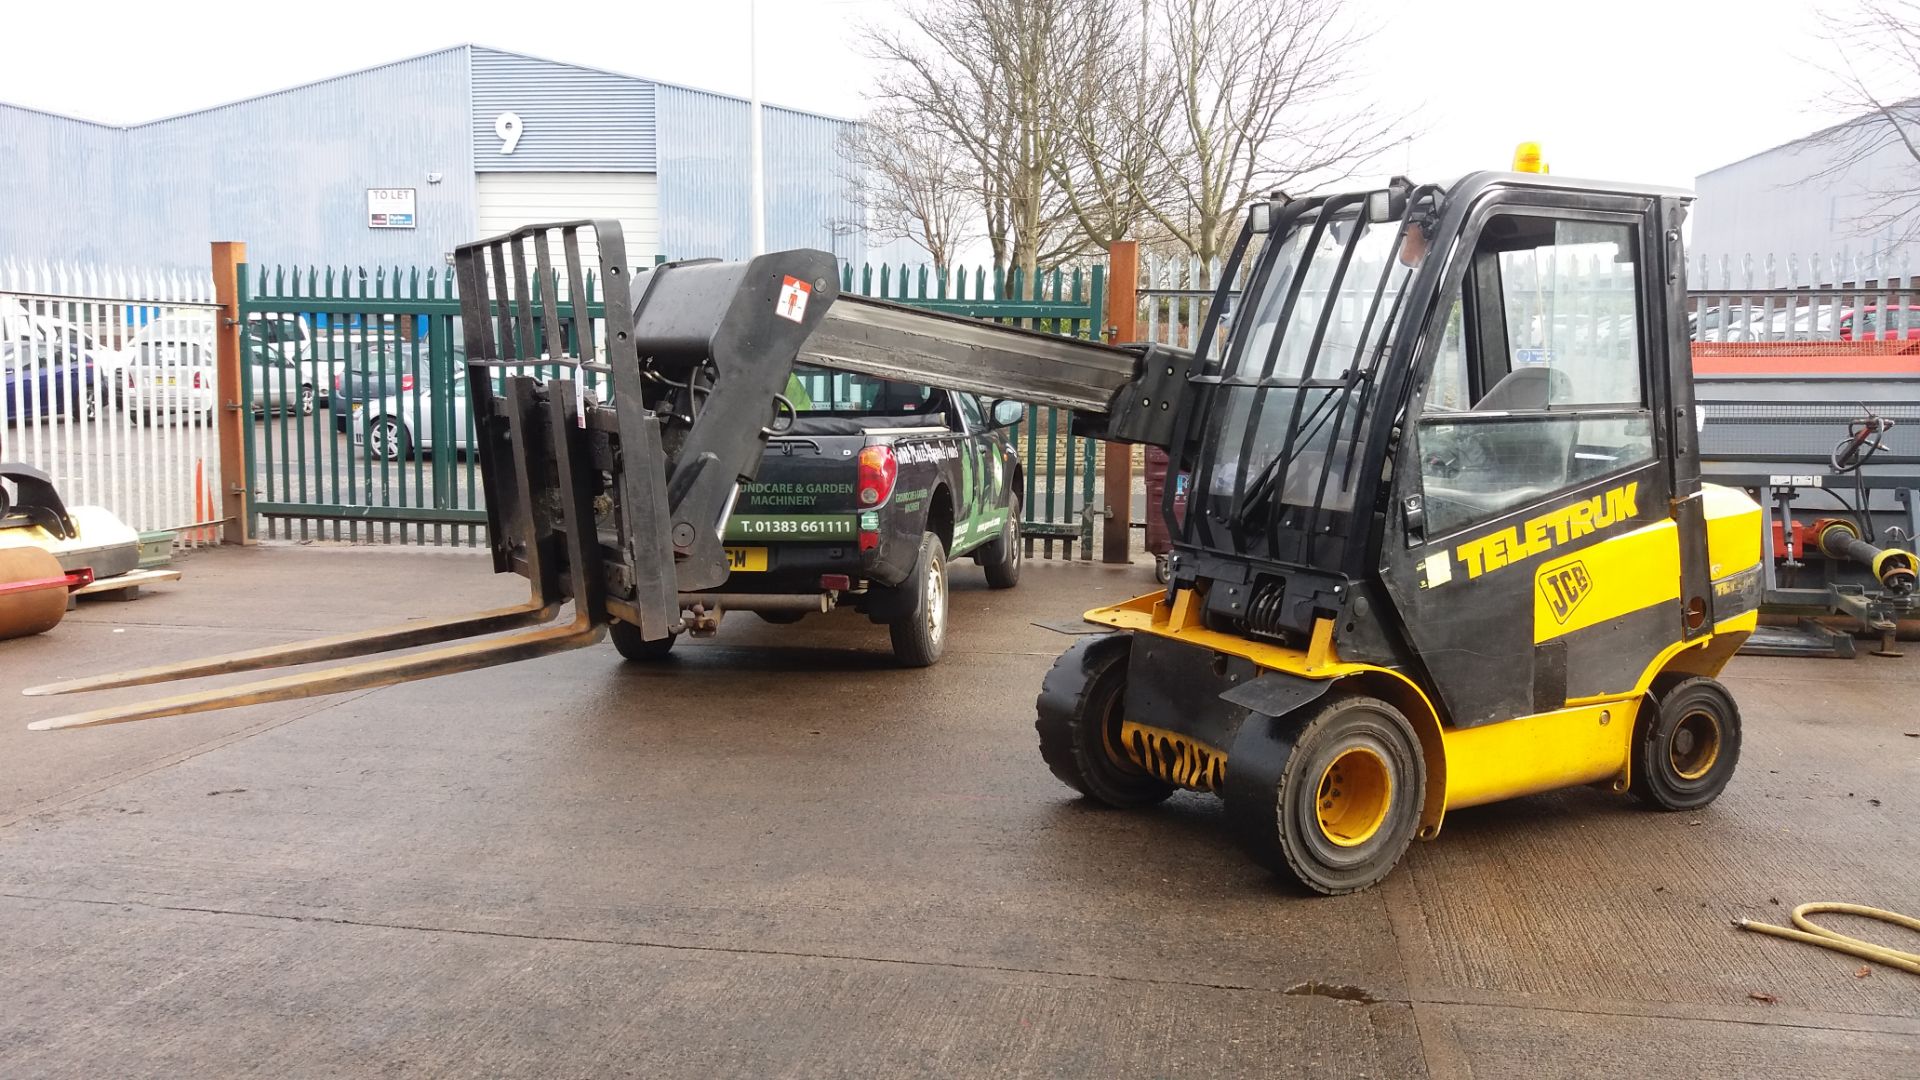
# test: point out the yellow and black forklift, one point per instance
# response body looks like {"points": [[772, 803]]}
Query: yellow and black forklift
{"points": [[1445, 541]]}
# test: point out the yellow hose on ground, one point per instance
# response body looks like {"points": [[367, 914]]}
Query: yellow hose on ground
{"points": [[1828, 939]]}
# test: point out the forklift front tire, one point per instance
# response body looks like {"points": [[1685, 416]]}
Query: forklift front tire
{"points": [[1079, 723], [1686, 743], [1331, 801], [626, 638]]}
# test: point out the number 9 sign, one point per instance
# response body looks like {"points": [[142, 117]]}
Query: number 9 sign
{"points": [[507, 125]]}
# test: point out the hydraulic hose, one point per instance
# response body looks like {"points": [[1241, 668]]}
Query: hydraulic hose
{"points": [[1828, 939]]}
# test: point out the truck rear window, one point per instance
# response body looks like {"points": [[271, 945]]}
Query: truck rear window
{"points": [[818, 392]]}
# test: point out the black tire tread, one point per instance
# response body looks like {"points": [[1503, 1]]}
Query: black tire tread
{"points": [[1069, 740], [1650, 788], [912, 645], [626, 638]]}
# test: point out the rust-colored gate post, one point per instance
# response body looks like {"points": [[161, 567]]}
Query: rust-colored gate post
{"points": [[1123, 282], [231, 415]]}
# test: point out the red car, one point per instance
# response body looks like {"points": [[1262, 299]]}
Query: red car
{"points": [[1876, 322]]}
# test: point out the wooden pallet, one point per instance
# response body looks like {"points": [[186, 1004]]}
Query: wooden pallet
{"points": [[122, 586]]}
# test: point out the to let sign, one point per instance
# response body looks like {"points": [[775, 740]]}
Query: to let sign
{"points": [[390, 208]]}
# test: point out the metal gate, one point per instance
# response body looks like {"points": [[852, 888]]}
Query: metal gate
{"points": [[361, 425], [107, 385]]}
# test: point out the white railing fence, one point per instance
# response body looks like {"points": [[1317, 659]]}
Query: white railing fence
{"points": [[109, 388], [1765, 298]]}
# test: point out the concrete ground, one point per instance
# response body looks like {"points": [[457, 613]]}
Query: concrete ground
{"points": [[776, 855]]}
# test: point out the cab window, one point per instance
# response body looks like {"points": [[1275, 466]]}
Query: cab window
{"points": [[1538, 381]]}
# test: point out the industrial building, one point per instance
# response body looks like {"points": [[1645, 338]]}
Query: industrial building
{"points": [[396, 164], [1817, 206]]}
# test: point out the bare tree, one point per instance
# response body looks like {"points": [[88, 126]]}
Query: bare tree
{"points": [[915, 183], [1876, 44], [999, 81], [1262, 95]]}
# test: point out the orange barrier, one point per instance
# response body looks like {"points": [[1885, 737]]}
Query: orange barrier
{"points": [[1876, 357]]}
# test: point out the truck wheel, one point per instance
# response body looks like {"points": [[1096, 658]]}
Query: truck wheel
{"points": [[1001, 559], [627, 639], [1332, 801], [1686, 742], [920, 633], [782, 618], [1079, 724]]}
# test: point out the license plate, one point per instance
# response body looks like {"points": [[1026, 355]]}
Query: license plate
{"points": [[747, 558], [172, 381]]}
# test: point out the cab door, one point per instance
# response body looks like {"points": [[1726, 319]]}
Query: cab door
{"points": [[1534, 558]]}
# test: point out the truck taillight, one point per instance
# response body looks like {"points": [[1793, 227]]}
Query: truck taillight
{"points": [[336, 383], [878, 470], [196, 380]]}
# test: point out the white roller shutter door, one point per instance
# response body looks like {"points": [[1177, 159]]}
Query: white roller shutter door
{"points": [[508, 200]]}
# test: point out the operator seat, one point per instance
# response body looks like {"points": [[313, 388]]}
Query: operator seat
{"points": [[1526, 454], [1526, 388]]}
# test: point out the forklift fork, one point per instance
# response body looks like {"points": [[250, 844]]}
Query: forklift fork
{"points": [[587, 626], [618, 508]]}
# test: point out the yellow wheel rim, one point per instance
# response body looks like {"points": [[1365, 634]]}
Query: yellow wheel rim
{"points": [[1355, 793], [1695, 745]]}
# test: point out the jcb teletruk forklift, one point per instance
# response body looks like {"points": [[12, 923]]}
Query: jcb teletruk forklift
{"points": [[1445, 541]]}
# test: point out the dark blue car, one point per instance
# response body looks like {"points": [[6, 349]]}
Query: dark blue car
{"points": [[45, 380]]}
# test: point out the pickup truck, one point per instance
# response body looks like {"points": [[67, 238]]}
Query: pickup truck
{"points": [[866, 491]]}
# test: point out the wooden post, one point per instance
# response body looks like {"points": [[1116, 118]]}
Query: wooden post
{"points": [[1123, 302], [231, 415]]}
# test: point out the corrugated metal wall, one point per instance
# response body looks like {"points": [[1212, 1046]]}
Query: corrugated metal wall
{"points": [[705, 155], [288, 172], [810, 184], [571, 118], [59, 187], [1783, 203]]}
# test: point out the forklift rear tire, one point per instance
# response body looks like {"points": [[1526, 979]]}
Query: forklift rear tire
{"points": [[1686, 743], [1331, 801], [1079, 724], [920, 632], [627, 639]]}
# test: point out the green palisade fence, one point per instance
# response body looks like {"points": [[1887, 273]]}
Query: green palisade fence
{"points": [[322, 469]]}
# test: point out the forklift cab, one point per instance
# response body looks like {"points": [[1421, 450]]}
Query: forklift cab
{"points": [[1447, 543]]}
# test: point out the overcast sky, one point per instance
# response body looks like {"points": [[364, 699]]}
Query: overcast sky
{"points": [[1651, 90]]}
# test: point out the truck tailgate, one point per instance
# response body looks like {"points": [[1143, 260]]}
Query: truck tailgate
{"points": [[803, 493]]}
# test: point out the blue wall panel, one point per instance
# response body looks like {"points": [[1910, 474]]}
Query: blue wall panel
{"points": [[288, 172], [705, 160], [572, 118]]}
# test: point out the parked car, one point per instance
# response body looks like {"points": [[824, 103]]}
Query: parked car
{"points": [[19, 323], [44, 380], [281, 384], [382, 371], [397, 425], [1876, 322], [167, 376]]}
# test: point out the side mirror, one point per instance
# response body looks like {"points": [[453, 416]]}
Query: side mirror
{"points": [[1008, 413]]}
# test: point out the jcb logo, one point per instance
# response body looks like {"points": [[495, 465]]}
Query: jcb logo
{"points": [[1563, 587]]}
